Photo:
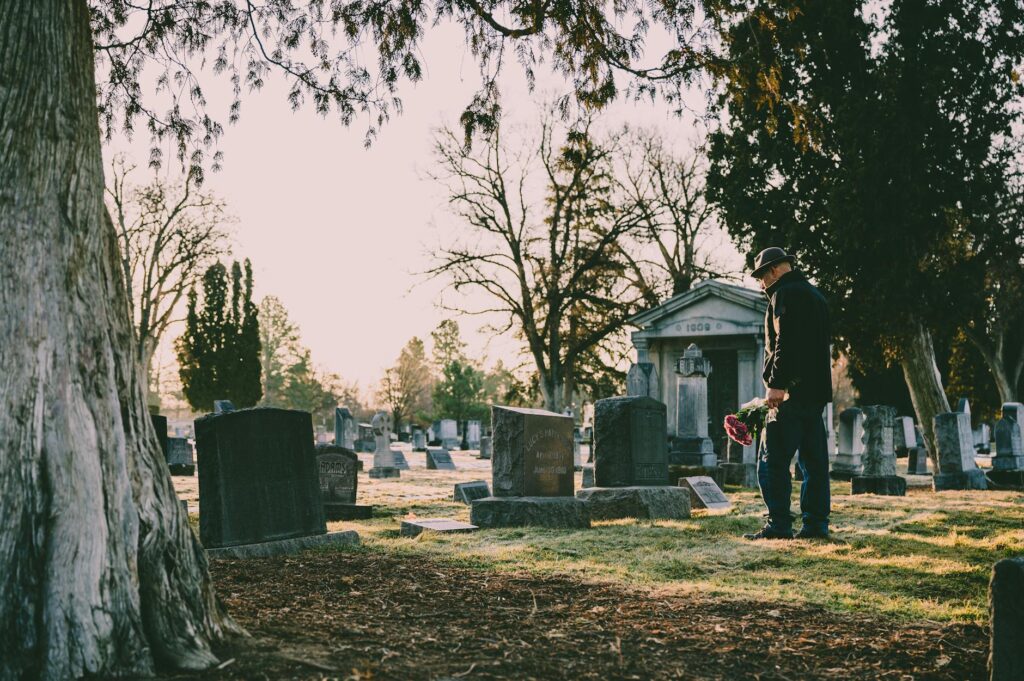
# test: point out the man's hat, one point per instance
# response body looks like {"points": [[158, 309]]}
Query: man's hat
{"points": [[768, 257]]}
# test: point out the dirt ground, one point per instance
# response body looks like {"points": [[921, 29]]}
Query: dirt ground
{"points": [[365, 614]]}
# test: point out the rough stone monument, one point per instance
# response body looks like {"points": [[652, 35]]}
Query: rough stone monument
{"points": [[692, 447], [878, 474], [531, 472], [258, 482], [338, 468], [957, 468], [851, 445], [1006, 614], [642, 381], [344, 428], [1008, 463], [631, 463], [180, 457], [384, 464]]}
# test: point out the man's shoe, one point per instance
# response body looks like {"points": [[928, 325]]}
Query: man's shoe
{"points": [[812, 533], [769, 531]]}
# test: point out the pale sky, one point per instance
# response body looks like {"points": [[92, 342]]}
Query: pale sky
{"points": [[336, 231]]}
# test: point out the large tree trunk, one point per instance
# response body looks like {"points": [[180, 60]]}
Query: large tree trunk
{"points": [[925, 384], [101, 573], [995, 360]]}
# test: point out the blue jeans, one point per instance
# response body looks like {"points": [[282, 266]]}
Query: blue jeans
{"points": [[797, 427]]}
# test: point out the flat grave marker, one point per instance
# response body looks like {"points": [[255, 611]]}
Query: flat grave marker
{"points": [[705, 493], [414, 527]]}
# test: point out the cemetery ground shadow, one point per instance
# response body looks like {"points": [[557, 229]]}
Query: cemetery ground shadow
{"points": [[373, 614]]}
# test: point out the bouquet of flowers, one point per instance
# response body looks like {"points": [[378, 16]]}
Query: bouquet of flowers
{"points": [[743, 426]]}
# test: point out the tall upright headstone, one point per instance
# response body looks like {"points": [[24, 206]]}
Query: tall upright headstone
{"points": [[850, 446], [344, 428], [384, 464], [957, 468], [631, 462], [905, 436], [1006, 615], [485, 447], [642, 381], [449, 434], [692, 446], [258, 479], [473, 434], [878, 475], [531, 472], [1008, 463]]}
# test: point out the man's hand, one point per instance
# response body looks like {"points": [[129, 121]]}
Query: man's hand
{"points": [[774, 397]]}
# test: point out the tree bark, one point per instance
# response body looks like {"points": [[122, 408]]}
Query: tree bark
{"points": [[995, 360], [101, 572], [925, 384]]}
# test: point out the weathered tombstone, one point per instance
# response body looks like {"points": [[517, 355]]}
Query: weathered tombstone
{"points": [[468, 492], [419, 440], [1008, 463], [258, 480], [957, 469], [416, 526], [705, 493], [449, 430], [223, 406], [851, 445], [344, 428], [692, 446], [473, 434], [631, 463], [365, 439], [1006, 615], [438, 459], [982, 436], [160, 426], [384, 463], [485, 447], [532, 472], [642, 381], [180, 457], [905, 437], [338, 468], [917, 461], [878, 475]]}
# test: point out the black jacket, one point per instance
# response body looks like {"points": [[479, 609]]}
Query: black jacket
{"points": [[797, 337]]}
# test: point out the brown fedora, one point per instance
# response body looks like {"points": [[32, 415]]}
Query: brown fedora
{"points": [[772, 255]]}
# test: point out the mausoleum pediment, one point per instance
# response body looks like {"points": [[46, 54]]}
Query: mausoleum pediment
{"points": [[711, 307]]}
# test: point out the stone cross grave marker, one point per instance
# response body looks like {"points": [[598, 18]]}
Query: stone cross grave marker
{"points": [[438, 459], [384, 463], [467, 492], [705, 493], [258, 479]]}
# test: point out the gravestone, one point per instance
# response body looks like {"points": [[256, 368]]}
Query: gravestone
{"points": [[485, 448], [705, 493], [438, 459], [398, 456], [180, 457], [1008, 463], [588, 476], [365, 439], [963, 406], [642, 381], [878, 474], [692, 446], [258, 479], [419, 440], [344, 428], [468, 492], [531, 472], [473, 434], [223, 406], [740, 466], [417, 526], [917, 461], [905, 438], [338, 468], [1006, 615], [851, 445], [449, 434], [957, 469], [982, 436], [631, 462], [160, 426], [577, 448], [384, 463]]}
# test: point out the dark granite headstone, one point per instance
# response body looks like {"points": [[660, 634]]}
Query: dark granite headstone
{"points": [[180, 456], [631, 447], [917, 461], [438, 459], [532, 453], [705, 493], [1006, 614], [160, 426], [258, 478], [467, 492], [338, 467]]}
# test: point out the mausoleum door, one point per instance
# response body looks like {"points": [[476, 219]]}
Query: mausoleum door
{"points": [[722, 394]]}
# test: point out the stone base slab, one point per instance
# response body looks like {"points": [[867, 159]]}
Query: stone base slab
{"points": [[1007, 479], [347, 512], [648, 503], [283, 547], [382, 472], [741, 474], [1008, 463], [530, 511], [886, 485], [973, 479]]}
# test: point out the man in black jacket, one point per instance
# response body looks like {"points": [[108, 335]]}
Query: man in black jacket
{"points": [[798, 377]]}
